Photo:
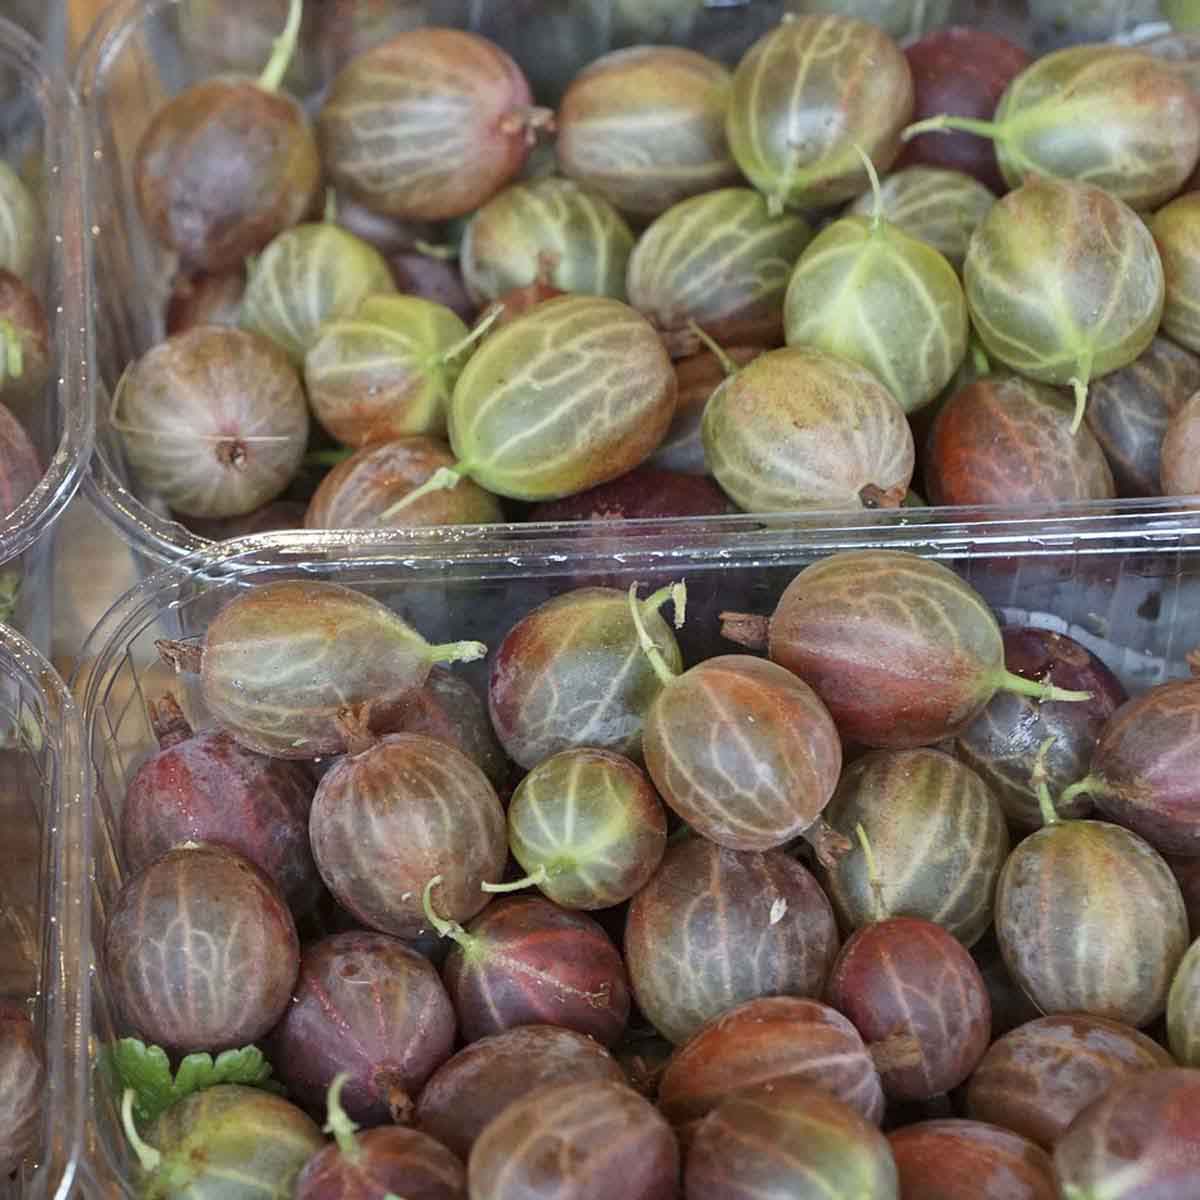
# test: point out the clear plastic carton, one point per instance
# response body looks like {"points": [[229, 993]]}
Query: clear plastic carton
{"points": [[45, 792], [1127, 588], [40, 139], [143, 51]]}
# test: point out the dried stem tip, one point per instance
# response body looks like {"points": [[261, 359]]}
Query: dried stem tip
{"points": [[184, 657], [829, 845], [169, 725], [746, 629]]}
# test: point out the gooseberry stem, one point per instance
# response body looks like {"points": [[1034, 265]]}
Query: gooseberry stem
{"points": [[466, 343], [1038, 778], [326, 458], [533, 879], [148, 1156], [677, 594], [646, 642], [727, 364], [1006, 681], [283, 50], [167, 722], [828, 845], [329, 216], [445, 253], [14, 352], [181, 655], [945, 123], [746, 629], [876, 191], [979, 360], [444, 928], [442, 480], [1093, 785], [338, 1121], [873, 880], [457, 652], [1079, 385]]}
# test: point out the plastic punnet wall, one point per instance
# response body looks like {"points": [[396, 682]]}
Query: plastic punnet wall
{"points": [[1129, 590], [40, 142], [45, 791], [143, 51]]}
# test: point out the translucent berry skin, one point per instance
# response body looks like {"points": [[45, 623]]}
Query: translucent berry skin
{"points": [[589, 1139], [222, 168], [530, 962], [200, 951], [1137, 1143], [949, 1159], [366, 1004], [1120, 926], [900, 649], [743, 751], [387, 1161], [804, 95], [291, 703], [387, 821], [1038, 1078], [230, 1131], [208, 788], [469, 1090], [714, 928], [788, 1138], [1145, 763], [1003, 742], [426, 126], [764, 1040], [551, 684], [1005, 440], [910, 977], [937, 836]]}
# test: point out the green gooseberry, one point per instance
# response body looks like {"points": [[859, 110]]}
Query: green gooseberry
{"points": [[1064, 284], [573, 393], [387, 370], [939, 207], [1183, 14], [306, 276], [800, 429], [1176, 230], [229, 1140], [900, 18], [721, 260], [645, 128], [20, 224], [804, 96], [550, 231], [587, 826], [1111, 116], [867, 291]]}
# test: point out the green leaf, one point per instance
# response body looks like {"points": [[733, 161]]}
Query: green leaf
{"points": [[147, 1070]]}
